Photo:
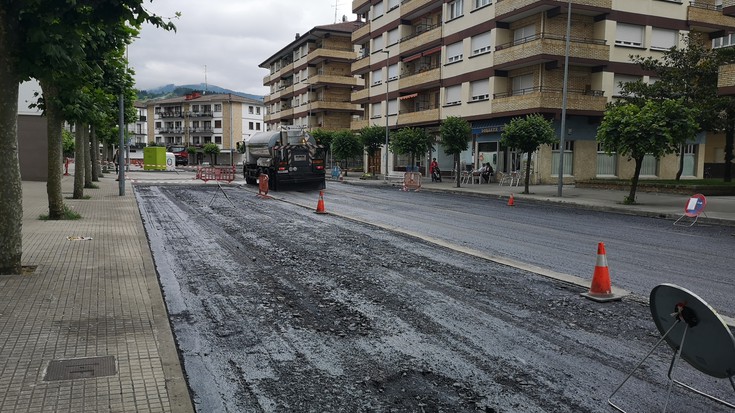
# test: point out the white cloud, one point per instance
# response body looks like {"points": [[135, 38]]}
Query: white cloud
{"points": [[230, 37]]}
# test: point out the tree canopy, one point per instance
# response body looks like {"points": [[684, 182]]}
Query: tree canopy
{"points": [[527, 134], [455, 134], [657, 128], [411, 141], [345, 145]]}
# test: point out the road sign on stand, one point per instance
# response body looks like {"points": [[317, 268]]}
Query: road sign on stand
{"points": [[693, 208]]}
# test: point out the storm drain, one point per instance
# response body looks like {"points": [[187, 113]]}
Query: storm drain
{"points": [[82, 368]]}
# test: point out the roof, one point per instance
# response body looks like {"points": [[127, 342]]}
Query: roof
{"points": [[214, 97], [317, 32]]}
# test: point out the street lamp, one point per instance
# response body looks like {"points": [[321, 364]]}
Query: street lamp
{"points": [[560, 184], [387, 57]]}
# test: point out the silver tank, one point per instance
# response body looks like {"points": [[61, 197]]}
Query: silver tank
{"points": [[260, 145]]}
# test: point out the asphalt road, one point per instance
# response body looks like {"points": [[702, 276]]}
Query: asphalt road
{"points": [[275, 308], [642, 252]]}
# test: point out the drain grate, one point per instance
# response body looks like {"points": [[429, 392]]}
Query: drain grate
{"points": [[82, 368]]}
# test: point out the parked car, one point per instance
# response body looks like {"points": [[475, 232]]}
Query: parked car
{"points": [[180, 154]]}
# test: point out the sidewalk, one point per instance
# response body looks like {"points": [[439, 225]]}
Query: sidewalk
{"points": [[85, 328], [719, 210]]}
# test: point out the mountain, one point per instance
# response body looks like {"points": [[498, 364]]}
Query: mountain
{"points": [[172, 90]]}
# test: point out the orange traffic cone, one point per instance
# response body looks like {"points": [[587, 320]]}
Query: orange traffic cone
{"points": [[511, 201], [601, 288], [320, 204]]}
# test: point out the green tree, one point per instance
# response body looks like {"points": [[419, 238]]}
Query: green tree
{"points": [[657, 128], [192, 151], [345, 145], [212, 150], [68, 143], [411, 141], [372, 138], [527, 134], [688, 73], [455, 134], [42, 39]]}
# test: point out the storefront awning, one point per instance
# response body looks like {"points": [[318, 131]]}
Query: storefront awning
{"points": [[411, 96]]}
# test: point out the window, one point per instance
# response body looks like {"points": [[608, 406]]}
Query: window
{"points": [[454, 9], [195, 108], [568, 158], [393, 72], [481, 3], [629, 35], [522, 84], [620, 80], [376, 110], [250, 110], [378, 43], [392, 107], [206, 108], [454, 52], [250, 125], [606, 164], [218, 140], [393, 4], [453, 95], [663, 39], [218, 107], [218, 124], [649, 166], [207, 125], [195, 124], [158, 125], [257, 110], [377, 9], [690, 159], [196, 140], [480, 90], [257, 125], [726, 41], [377, 76], [524, 34], [393, 37], [480, 43], [157, 109]]}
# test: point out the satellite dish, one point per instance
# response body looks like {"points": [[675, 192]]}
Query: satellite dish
{"points": [[709, 345], [695, 332]]}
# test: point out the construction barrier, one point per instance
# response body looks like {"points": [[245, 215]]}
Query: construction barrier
{"points": [[216, 173], [263, 186], [411, 180]]}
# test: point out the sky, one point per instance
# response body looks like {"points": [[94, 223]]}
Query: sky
{"points": [[230, 37]]}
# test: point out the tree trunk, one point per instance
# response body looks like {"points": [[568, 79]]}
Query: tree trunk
{"points": [[79, 162], [528, 173], [681, 162], [729, 138], [11, 189], [95, 156], [87, 157], [634, 181], [55, 152], [456, 169]]}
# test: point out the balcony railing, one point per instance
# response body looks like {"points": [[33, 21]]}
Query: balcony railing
{"points": [[200, 114], [537, 89], [550, 36], [171, 114]]}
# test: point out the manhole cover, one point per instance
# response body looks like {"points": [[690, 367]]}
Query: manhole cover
{"points": [[83, 368]]}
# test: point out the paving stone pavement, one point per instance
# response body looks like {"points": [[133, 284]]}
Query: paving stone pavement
{"points": [[90, 297]]}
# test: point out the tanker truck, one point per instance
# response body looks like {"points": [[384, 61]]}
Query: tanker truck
{"points": [[288, 157]]}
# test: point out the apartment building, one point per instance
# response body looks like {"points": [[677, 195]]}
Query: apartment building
{"points": [[310, 80], [138, 130], [198, 119], [488, 61]]}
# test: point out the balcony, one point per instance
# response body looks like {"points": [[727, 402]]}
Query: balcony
{"points": [[424, 36], [359, 5], [336, 80], [548, 98], [545, 46], [710, 15], [361, 65], [428, 115], [423, 77], [200, 114], [504, 7], [360, 96], [338, 105], [171, 131], [726, 80], [170, 115], [324, 53], [357, 124], [410, 6], [728, 7], [201, 130], [363, 31]]}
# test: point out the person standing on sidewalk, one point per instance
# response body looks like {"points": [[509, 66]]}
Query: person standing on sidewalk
{"points": [[116, 159]]}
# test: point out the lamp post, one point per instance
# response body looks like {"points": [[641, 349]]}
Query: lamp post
{"points": [[387, 57], [562, 133]]}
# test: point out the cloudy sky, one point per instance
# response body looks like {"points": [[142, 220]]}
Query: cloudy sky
{"points": [[230, 37]]}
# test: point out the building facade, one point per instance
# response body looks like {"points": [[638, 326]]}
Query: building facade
{"points": [[488, 61], [310, 80], [197, 119]]}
